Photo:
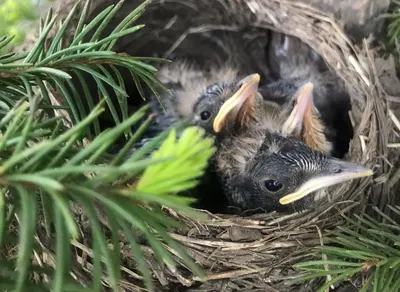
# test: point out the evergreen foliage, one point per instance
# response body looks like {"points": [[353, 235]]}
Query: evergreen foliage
{"points": [[49, 164], [368, 247], [393, 31]]}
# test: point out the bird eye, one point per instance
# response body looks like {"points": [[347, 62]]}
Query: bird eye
{"points": [[205, 115], [272, 185]]}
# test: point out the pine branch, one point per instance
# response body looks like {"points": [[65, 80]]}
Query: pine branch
{"points": [[47, 167], [75, 175], [55, 64], [367, 247], [393, 29]]}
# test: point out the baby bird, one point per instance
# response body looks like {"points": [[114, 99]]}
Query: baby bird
{"points": [[266, 171], [255, 137], [293, 63], [266, 168], [197, 95]]}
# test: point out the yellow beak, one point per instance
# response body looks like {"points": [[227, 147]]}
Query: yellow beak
{"points": [[349, 172], [247, 90], [304, 100]]}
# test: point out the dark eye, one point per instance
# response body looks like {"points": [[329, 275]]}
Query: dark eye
{"points": [[272, 185], [205, 115]]}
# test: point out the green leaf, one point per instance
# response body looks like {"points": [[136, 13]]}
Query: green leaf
{"points": [[31, 58], [62, 250], [2, 216], [191, 153], [61, 32], [138, 254], [128, 20], [344, 276], [91, 25], [49, 71], [113, 226], [10, 129], [40, 181], [46, 210], [113, 271], [63, 208], [128, 146], [26, 237], [106, 20], [82, 19]]}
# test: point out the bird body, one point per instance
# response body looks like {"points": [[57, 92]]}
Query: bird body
{"points": [[262, 169], [272, 160], [188, 84], [293, 62], [261, 159]]}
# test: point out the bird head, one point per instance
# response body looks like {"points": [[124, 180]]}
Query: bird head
{"points": [[289, 56], [282, 170], [298, 113], [304, 121], [226, 105]]}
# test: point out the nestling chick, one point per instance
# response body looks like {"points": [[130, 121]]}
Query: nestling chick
{"points": [[266, 168], [253, 133], [294, 63], [189, 84], [271, 171], [197, 95]]}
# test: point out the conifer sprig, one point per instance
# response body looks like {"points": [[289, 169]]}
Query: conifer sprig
{"points": [[368, 247], [47, 168], [52, 170], [54, 60]]}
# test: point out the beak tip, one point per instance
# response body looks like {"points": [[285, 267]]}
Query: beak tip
{"points": [[360, 170], [283, 201], [309, 85], [369, 172], [216, 127]]}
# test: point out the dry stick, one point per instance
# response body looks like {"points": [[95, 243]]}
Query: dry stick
{"points": [[359, 70], [90, 252], [394, 119], [199, 29], [231, 274], [325, 258]]}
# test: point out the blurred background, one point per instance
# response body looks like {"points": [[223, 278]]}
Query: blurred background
{"points": [[16, 16]]}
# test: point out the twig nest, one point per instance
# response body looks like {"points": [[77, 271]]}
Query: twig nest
{"points": [[256, 253]]}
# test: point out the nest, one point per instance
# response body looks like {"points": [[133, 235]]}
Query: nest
{"points": [[257, 253]]}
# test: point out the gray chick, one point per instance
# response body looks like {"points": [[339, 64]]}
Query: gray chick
{"points": [[293, 63], [265, 167]]}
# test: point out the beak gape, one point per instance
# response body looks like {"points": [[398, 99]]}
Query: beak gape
{"points": [[242, 101], [303, 104]]}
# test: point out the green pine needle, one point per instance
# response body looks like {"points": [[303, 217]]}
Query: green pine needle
{"points": [[49, 164], [355, 253], [189, 155]]}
